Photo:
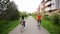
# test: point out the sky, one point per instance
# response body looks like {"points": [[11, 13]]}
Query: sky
{"points": [[29, 6]]}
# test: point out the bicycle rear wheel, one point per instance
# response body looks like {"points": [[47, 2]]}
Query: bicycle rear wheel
{"points": [[22, 28], [39, 26]]}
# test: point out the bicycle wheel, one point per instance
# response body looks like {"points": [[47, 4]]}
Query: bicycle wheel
{"points": [[39, 26], [22, 28]]}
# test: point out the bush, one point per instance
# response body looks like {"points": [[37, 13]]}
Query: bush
{"points": [[46, 17], [56, 18], [50, 25], [6, 26]]}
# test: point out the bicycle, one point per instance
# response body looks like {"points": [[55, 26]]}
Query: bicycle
{"points": [[22, 26], [39, 25]]}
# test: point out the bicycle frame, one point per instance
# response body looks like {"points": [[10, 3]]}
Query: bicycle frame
{"points": [[22, 27]]}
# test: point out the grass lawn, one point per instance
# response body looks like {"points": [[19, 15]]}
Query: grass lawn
{"points": [[51, 28], [6, 26], [35, 16]]}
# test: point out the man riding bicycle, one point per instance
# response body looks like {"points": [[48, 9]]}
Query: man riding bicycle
{"points": [[39, 19]]}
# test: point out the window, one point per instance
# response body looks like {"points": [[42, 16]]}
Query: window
{"points": [[49, 0], [50, 11], [52, 3], [49, 5]]}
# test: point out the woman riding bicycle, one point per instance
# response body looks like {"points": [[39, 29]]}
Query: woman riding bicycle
{"points": [[23, 21]]}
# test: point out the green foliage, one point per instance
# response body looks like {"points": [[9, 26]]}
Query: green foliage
{"points": [[46, 17], [9, 18], [51, 23], [25, 14], [55, 18], [35, 16], [52, 28], [6, 25], [11, 13], [47, 22]]}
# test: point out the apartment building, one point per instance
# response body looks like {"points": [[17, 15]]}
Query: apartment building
{"points": [[38, 9], [42, 6], [49, 5], [55, 4]]}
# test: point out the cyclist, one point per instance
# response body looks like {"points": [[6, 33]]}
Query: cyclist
{"points": [[23, 21], [39, 19]]}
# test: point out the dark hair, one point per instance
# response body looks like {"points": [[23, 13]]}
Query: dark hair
{"points": [[22, 17]]}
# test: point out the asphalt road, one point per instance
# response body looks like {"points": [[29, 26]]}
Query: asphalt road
{"points": [[31, 28]]}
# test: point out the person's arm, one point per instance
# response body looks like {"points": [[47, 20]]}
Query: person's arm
{"points": [[41, 17]]}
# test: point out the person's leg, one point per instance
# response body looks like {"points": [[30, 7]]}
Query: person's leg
{"points": [[39, 24], [24, 23], [38, 21]]}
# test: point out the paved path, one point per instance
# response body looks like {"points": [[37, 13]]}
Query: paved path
{"points": [[31, 28]]}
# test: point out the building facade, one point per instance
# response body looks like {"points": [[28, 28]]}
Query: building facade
{"points": [[55, 4], [49, 5]]}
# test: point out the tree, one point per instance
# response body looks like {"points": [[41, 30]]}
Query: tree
{"points": [[3, 4], [11, 13]]}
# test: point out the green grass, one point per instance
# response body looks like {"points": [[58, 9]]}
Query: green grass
{"points": [[35, 16], [52, 28], [49, 26], [6, 26]]}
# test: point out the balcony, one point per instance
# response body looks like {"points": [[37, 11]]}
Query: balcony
{"points": [[48, 9], [48, 3], [45, 0]]}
